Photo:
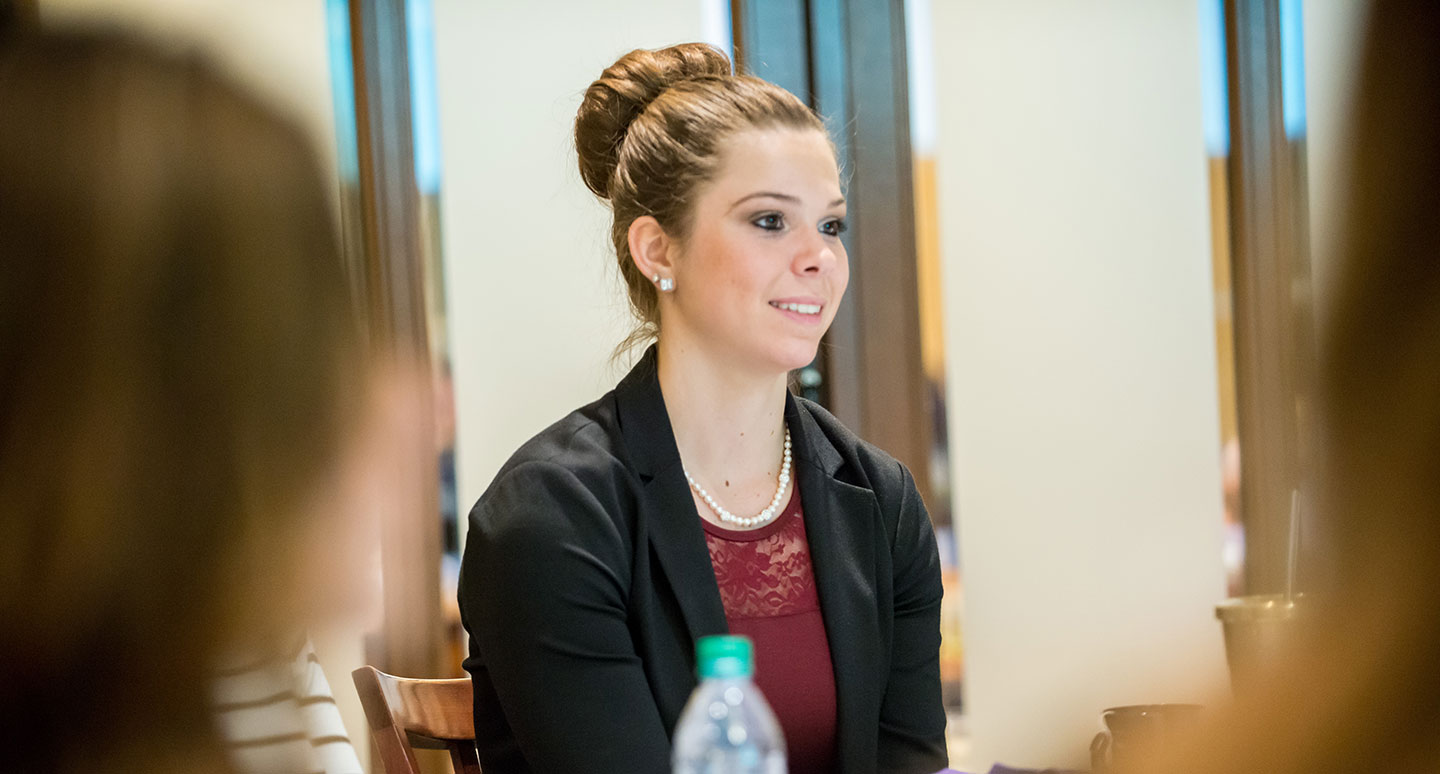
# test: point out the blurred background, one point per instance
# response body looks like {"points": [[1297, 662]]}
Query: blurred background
{"points": [[1090, 242]]}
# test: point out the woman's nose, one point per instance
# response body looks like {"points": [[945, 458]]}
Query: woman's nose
{"points": [[817, 256]]}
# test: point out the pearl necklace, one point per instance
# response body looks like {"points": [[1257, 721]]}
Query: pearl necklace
{"points": [[770, 510]]}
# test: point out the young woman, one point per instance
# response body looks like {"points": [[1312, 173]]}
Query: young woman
{"points": [[700, 496]]}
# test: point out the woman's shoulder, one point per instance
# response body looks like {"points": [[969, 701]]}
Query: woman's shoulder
{"points": [[565, 494], [579, 456], [586, 437]]}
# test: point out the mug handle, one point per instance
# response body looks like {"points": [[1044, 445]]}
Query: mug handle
{"points": [[1100, 749]]}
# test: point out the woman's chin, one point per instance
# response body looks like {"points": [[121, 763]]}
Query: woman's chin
{"points": [[796, 356], [769, 356]]}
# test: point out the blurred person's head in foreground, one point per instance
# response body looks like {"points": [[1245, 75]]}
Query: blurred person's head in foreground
{"points": [[1360, 690], [184, 399]]}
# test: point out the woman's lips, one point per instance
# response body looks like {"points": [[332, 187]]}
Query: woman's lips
{"points": [[807, 311]]}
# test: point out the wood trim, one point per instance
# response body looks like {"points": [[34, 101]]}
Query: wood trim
{"points": [[1270, 270], [411, 641], [775, 31], [895, 412], [738, 41]]}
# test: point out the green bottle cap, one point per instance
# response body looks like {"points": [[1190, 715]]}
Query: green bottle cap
{"points": [[725, 656]]}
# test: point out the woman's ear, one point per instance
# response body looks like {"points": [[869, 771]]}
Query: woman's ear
{"points": [[653, 251]]}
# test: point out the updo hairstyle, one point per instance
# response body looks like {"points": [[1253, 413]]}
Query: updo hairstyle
{"points": [[648, 134]]}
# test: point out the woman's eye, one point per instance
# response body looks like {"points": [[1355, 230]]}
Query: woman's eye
{"points": [[833, 227], [771, 222]]}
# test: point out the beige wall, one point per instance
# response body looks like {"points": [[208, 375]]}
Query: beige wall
{"points": [[535, 306], [1074, 214]]}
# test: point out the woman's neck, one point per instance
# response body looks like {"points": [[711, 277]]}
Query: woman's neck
{"points": [[729, 424]]}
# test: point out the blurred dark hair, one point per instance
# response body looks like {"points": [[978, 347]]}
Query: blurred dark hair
{"points": [[176, 345], [1380, 479], [10, 13], [1361, 689]]}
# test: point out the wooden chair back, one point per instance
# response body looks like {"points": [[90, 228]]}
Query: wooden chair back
{"points": [[406, 713]]}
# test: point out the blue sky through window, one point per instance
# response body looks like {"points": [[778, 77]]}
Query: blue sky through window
{"points": [[1292, 67], [342, 89], [424, 102], [1214, 90]]}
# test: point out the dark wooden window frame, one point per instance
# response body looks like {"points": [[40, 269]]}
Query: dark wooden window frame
{"points": [[1274, 319], [387, 235]]}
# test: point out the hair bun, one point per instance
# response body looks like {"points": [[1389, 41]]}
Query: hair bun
{"points": [[622, 93]]}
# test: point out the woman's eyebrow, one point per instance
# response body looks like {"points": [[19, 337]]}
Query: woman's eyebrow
{"points": [[780, 196]]}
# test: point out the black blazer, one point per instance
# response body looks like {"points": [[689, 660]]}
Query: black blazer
{"points": [[586, 581]]}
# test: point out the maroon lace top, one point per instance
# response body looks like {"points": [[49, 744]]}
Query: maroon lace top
{"points": [[768, 586]]}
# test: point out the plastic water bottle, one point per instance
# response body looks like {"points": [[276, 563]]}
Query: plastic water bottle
{"points": [[727, 727]]}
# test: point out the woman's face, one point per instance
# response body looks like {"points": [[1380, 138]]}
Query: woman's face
{"points": [[762, 271]]}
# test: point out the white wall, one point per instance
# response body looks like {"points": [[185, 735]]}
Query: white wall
{"points": [[535, 304], [1083, 410]]}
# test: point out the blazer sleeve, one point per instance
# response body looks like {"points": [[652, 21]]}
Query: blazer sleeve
{"points": [[912, 715], [543, 591]]}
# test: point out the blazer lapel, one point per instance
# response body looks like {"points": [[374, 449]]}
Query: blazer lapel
{"points": [[666, 507], [841, 521]]}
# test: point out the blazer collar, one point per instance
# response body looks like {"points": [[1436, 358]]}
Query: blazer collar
{"points": [[841, 520], [644, 422], [844, 530], [666, 508], [650, 440]]}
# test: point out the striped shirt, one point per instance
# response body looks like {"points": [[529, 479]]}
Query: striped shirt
{"points": [[278, 716]]}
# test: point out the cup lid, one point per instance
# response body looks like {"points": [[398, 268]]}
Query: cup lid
{"points": [[1258, 607]]}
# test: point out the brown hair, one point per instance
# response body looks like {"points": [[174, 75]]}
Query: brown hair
{"points": [[180, 362], [649, 134], [1360, 691]]}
